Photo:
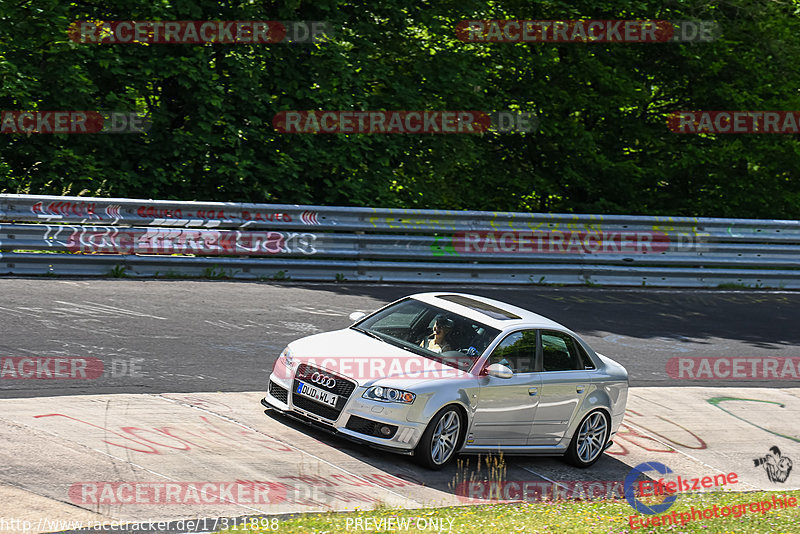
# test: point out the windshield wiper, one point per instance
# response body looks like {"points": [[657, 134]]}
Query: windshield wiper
{"points": [[370, 333], [409, 349]]}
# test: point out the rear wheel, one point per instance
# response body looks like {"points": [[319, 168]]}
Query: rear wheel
{"points": [[589, 441], [438, 444]]}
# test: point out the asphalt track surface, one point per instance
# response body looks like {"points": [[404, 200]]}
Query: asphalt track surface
{"points": [[203, 351], [187, 336]]}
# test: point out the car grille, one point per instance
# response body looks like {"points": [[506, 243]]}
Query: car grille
{"points": [[365, 426], [342, 387], [278, 392], [314, 407]]}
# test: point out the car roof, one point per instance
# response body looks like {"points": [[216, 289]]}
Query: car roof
{"points": [[492, 313]]}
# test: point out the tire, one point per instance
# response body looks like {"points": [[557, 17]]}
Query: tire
{"points": [[444, 430], [589, 440]]}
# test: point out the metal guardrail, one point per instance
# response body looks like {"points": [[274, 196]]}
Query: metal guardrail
{"points": [[97, 236]]}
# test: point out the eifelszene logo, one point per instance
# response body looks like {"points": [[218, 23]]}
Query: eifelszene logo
{"points": [[630, 493], [667, 488]]}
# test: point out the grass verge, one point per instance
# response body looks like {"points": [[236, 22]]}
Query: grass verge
{"points": [[606, 516]]}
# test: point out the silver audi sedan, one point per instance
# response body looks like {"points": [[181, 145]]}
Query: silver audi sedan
{"points": [[439, 374]]}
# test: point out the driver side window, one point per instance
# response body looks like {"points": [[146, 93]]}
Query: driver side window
{"points": [[517, 352]]}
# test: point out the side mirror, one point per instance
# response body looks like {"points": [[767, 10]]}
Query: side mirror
{"points": [[357, 316], [499, 370]]}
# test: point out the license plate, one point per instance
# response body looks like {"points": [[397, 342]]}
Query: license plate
{"points": [[317, 394]]}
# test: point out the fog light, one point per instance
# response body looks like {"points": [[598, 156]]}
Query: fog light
{"points": [[386, 430]]}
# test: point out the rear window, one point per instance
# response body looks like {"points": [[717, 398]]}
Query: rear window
{"points": [[478, 306]]}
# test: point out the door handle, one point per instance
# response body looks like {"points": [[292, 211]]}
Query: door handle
{"points": [[533, 391], [580, 388]]}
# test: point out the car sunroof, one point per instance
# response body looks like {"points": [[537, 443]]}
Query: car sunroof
{"points": [[486, 309]]}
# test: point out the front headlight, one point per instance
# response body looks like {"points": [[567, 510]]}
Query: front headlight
{"points": [[380, 393], [287, 356]]}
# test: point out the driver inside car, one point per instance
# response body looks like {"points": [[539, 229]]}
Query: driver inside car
{"points": [[438, 341]]}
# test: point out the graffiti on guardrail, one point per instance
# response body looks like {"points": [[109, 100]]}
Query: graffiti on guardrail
{"points": [[266, 216], [159, 213], [493, 247], [79, 209], [218, 215], [205, 242], [168, 216], [408, 222]]}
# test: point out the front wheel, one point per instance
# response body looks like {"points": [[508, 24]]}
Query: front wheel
{"points": [[589, 441], [438, 443]]}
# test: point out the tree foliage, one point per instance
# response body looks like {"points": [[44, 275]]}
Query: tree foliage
{"points": [[602, 144]]}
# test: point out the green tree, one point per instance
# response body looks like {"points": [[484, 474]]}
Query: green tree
{"points": [[602, 145]]}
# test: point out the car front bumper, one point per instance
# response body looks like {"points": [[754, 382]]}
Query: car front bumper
{"points": [[359, 419]]}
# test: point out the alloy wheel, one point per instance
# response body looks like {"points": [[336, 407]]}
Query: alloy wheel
{"points": [[591, 437], [445, 437]]}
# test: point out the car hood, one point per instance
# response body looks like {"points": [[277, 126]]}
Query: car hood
{"points": [[365, 359]]}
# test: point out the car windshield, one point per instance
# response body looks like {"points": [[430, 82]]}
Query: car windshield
{"points": [[429, 331]]}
